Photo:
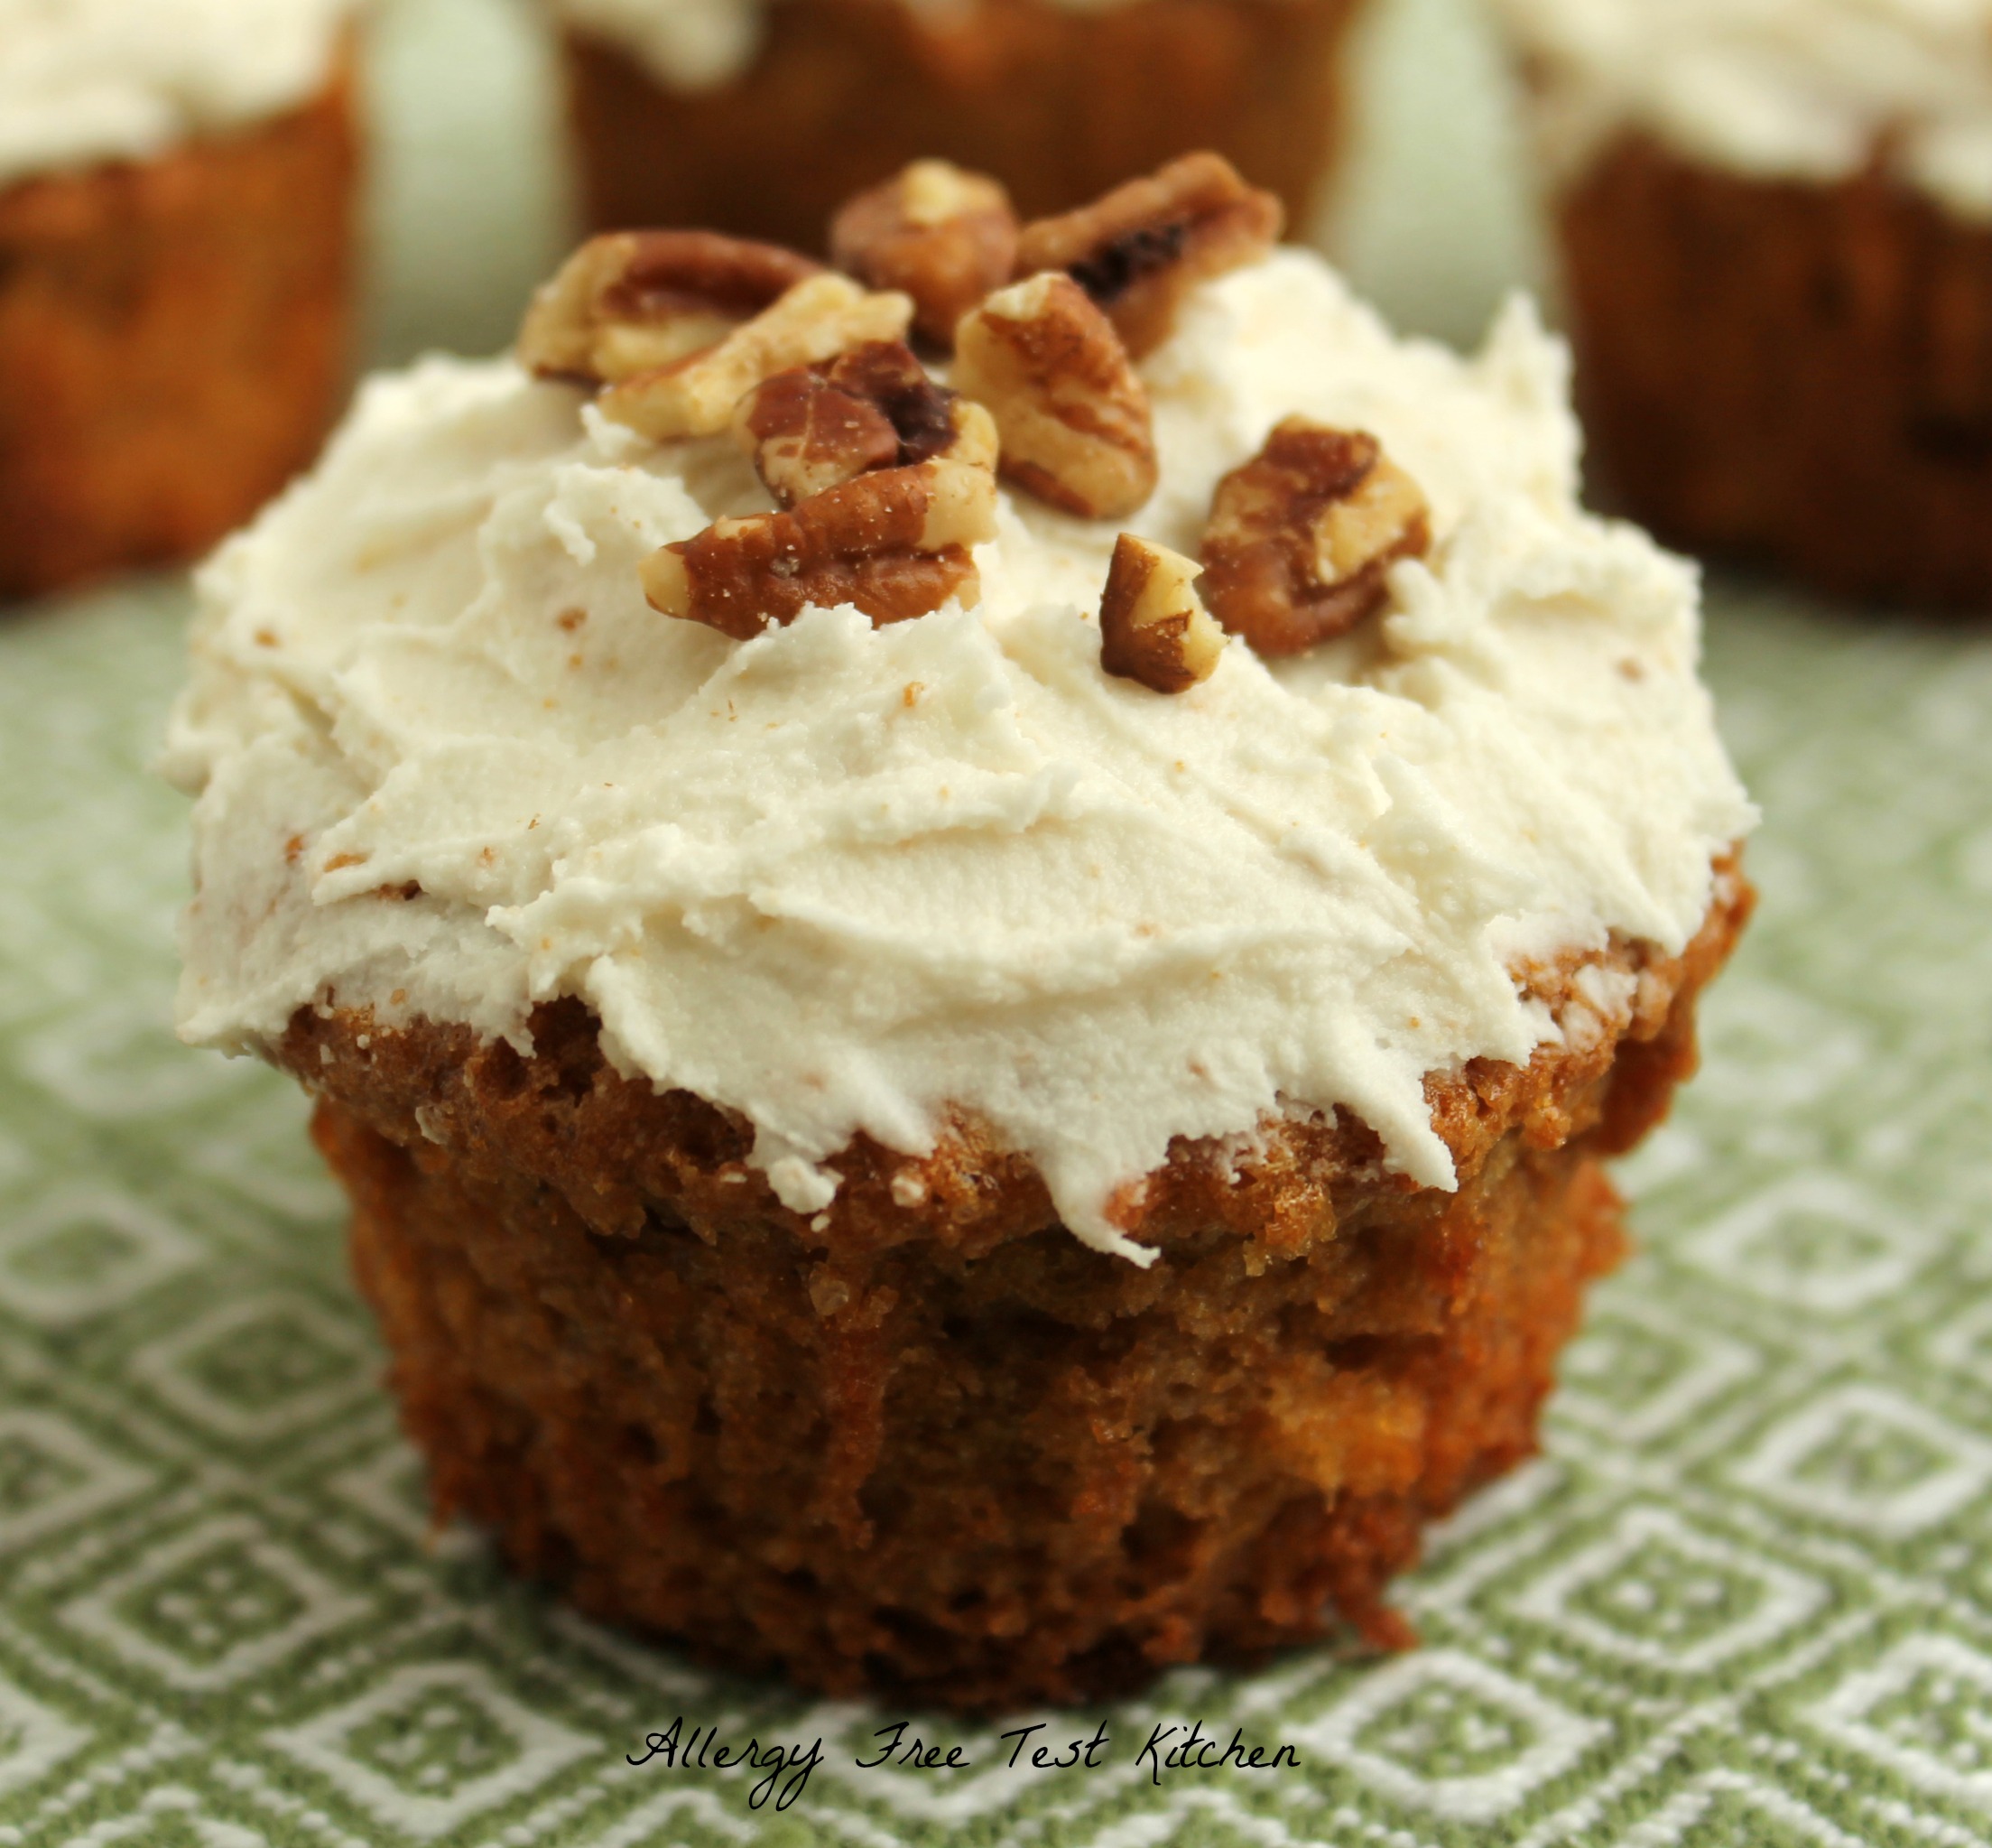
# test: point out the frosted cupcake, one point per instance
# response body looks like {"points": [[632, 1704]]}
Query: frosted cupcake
{"points": [[972, 1015], [1776, 226], [761, 115], [176, 220]]}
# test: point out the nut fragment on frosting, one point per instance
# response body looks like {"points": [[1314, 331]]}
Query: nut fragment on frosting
{"points": [[813, 321], [630, 302], [809, 429], [1152, 627], [943, 236], [893, 542], [1071, 414], [1302, 536], [1138, 250]]}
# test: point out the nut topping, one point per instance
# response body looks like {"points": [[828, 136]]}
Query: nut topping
{"points": [[1151, 625], [806, 436], [813, 321], [894, 542], [632, 300], [1070, 412], [1300, 537], [946, 237], [874, 407], [1137, 250]]}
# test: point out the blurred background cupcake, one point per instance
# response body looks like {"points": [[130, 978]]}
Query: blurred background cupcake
{"points": [[1776, 221], [177, 205], [761, 115]]}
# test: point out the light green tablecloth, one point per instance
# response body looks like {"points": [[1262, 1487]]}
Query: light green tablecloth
{"points": [[1742, 1598]]}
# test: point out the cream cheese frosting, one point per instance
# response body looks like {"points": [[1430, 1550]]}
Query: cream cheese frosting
{"points": [[90, 81], [1808, 89], [698, 44], [841, 878]]}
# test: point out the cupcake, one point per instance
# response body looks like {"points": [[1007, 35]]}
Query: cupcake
{"points": [[971, 1010], [177, 187], [1776, 227], [758, 118]]}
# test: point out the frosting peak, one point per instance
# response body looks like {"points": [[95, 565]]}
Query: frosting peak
{"points": [[842, 879]]}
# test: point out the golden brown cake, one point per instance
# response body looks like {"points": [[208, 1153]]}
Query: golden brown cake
{"points": [[174, 332], [1058, 102], [1004, 1469], [972, 1011], [1776, 233]]}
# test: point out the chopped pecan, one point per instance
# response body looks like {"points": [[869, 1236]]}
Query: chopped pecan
{"points": [[1152, 628], [946, 237], [806, 436], [1140, 248], [1070, 413], [814, 321], [895, 543], [874, 407], [629, 302], [1300, 537]]}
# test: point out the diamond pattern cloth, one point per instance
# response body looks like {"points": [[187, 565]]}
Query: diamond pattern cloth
{"points": [[1743, 1596]]}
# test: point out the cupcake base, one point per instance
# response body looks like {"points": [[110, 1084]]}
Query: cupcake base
{"points": [[173, 342], [1799, 373], [928, 1443], [1059, 103]]}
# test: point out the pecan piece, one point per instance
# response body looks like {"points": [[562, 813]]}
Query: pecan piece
{"points": [[1072, 414], [813, 321], [631, 301], [1302, 536], [1139, 249], [946, 237], [895, 543], [1152, 628], [874, 407]]}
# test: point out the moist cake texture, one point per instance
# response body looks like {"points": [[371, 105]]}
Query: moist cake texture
{"points": [[991, 1132]]}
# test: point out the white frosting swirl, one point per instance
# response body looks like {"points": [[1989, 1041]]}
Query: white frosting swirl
{"points": [[698, 44], [1797, 89], [90, 81], [841, 878]]}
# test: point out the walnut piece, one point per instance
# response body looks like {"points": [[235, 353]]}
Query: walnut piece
{"points": [[1139, 249], [1301, 536], [630, 302], [1152, 628], [1072, 414], [944, 236], [895, 543], [874, 407], [814, 321]]}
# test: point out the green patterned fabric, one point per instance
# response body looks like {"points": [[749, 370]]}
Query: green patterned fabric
{"points": [[1745, 1595]]}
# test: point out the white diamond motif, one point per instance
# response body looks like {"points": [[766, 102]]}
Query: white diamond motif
{"points": [[1784, 1597], [1793, 1464], [1555, 1738], [220, 1640], [536, 1746], [1941, 1738], [85, 1250], [94, 1479]]}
